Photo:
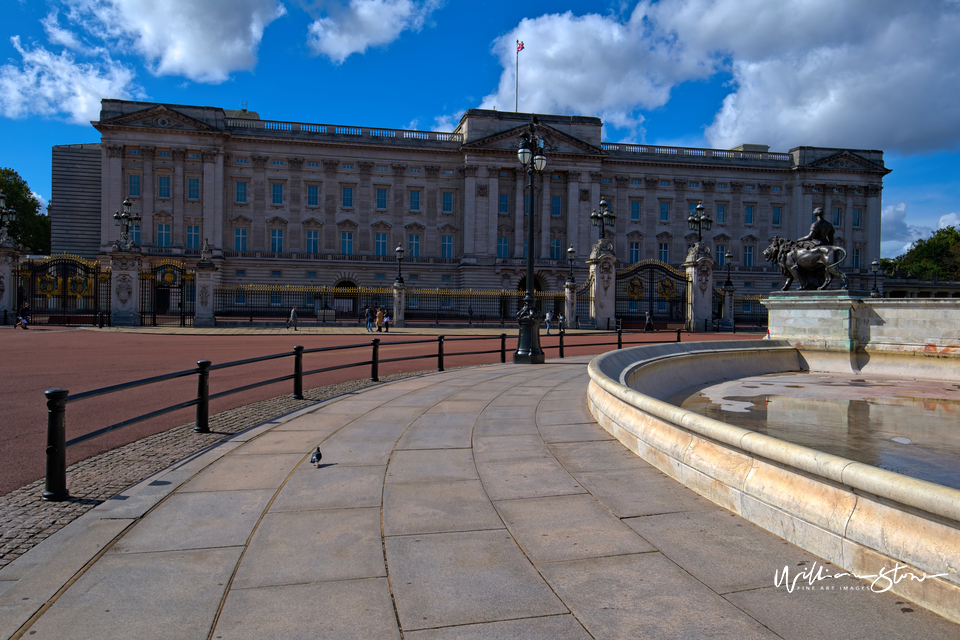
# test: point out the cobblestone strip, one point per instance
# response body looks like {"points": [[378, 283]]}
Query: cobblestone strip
{"points": [[26, 519]]}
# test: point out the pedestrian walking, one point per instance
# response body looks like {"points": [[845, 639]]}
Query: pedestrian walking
{"points": [[23, 316], [379, 319], [648, 324], [386, 323], [547, 320], [368, 316], [292, 320]]}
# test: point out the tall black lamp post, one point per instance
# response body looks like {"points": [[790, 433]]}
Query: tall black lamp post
{"points": [[603, 218], [571, 256], [530, 154], [700, 221], [399, 252], [727, 257], [875, 268], [125, 220]]}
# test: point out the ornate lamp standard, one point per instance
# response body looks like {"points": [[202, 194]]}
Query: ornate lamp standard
{"points": [[699, 221], [125, 221], [875, 268], [571, 256], [6, 217], [727, 257], [603, 218], [399, 252], [530, 154]]}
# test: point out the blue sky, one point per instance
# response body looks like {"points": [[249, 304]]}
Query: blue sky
{"points": [[874, 74]]}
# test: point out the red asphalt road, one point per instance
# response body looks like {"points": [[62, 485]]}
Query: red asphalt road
{"points": [[81, 360]]}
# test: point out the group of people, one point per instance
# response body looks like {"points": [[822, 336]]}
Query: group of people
{"points": [[379, 316]]}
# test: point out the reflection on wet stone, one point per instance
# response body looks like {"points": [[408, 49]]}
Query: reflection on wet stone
{"points": [[907, 426]]}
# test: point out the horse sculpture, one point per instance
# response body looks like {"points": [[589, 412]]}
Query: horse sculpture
{"points": [[802, 261]]}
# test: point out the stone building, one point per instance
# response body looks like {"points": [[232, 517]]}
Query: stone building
{"points": [[296, 203]]}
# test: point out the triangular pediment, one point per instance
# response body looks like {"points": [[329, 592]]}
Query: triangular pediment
{"points": [[846, 161], [158, 117], [556, 141]]}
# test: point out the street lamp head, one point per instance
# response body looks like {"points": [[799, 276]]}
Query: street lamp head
{"points": [[539, 161], [126, 207], [571, 254], [524, 153], [728, 257], [875, 266], [399, 252]]}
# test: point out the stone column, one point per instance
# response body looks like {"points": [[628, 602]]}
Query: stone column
{"points": [[469, 209], [112, 192], [208, 277], [148, 228], [603, 269], [399, 304], [209, 194], [178, 197], [570, 306], [125, 288], [699, 266], [728, 312], [9, 262]]}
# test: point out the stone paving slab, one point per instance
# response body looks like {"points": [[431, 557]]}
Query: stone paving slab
{"points": [[437, 507]]}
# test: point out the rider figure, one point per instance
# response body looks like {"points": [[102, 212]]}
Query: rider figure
{"points": [[821, 232]]}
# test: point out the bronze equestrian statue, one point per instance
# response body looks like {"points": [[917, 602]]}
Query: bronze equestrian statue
{"points": [[809, 258]]}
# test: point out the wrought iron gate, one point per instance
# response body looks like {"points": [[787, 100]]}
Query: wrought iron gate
{"points": [[65, 289], [651, 286], [167, 295]]}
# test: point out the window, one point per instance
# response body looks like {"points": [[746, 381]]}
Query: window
{"points": [[241, 192], [239, 239], [504, 174], [278, 162], [193, 236], [163, 235], [448, 172], [413, 245], [346, 242], [721, 185], [857, 218], [276, 274], [381, 276], [133, 152], [136, 232], [240, 297], [276, 299], [721, 214], [347, 166], [663, 252], [747, 307], [503, 247], [276, 240], [277, 191], [313, 242], [240, 273], [664, 212], [380, 244], [692, 208], [556, 205], [606, 180], [313, 195], [379, 168], [447, 202], [693, 184], [413, 170], [721, 255], [664, 183], [634, 252], [311, 274], [856, 258], [163, 154], [777, 216], [346, 199], [555, 248], [750, 187], [446, 247], [133, 185], [748, 256], [634, 209], [748, 214], [163, 186], [635, 181], [241, 161], [313, 164], [777, 189], [414, 201], [381, 198], [504, 203], [836, 216], [193, 188]]}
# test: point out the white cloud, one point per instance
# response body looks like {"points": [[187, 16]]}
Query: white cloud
{"points": [[58, 35], [949, 220], [42, 201], [448, 122], [897, 235], [366, 23], [204, 40], [49, 84]]}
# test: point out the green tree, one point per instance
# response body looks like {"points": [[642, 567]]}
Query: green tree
{"points": [[32, 227], [937, 256]]}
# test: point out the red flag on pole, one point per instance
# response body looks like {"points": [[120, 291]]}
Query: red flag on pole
{"points": [[519, 46]]}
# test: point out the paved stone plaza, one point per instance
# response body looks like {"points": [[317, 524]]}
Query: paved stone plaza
{"points": [[478, 503]]}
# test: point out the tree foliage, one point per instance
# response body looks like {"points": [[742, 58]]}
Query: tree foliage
{"points": [[32, 227], [936, 257]]}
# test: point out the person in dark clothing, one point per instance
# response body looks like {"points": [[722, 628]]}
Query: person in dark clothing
{"points": [[648, 324], [23, 316]]}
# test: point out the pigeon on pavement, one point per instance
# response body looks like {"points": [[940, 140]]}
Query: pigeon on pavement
{"points": [[315, 458]]}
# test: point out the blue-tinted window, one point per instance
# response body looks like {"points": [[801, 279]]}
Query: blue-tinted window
{"points": [[276, 240], [163, 235], [556, 205], [504, 203], [634, 209], [381, 198], [313, 195], [241, 192], [380, 246], [133, 185], [503, 247], [193, 188], [193, 236], [447, 202], [413, 245], [277, 191], [163, 186], [414, 201], [239, 239], [313, 242], [446, 247], [347, 196], [346, 242], [664, 212]]}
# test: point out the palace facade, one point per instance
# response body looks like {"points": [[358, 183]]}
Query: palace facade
{"points": [[316, 204]]}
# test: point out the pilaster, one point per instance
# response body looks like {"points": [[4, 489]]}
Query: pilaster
{"points": [[125, 288], [9, 262]]}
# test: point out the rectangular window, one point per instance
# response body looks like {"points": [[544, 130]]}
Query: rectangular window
{"points": [[721, 255], [721, 185], [346, 197], [721, 214], [163, 186], [748, 256], [447, 202], [347, 166], [446, 247], [276, 240], [313, 164], [856, 258], [777, 216], [556, 205], [634, 252], [346, 242], [414, 170], [133, 185], [606, 180], [193, 236], [413, 245], [693, 184], [448, 172], [241, 161], [163, 154], [664, 212], [664, 183], [193, 188], [691, 208], [635, 181], [663, 252], [748, 214], [555, 248], [239, 239], [240, 297], [414, 201], [504, 203], [503, 247], [311, 274], [133, 152], [381, 198], [857, 218], [163, 235], [313, 195], [750, 187], [278, 162], [634, 209], [277, 192], [241, 192], [136, 232], [313, 242], [836, 216], [380, 244], [240, 273], [777, 189]]}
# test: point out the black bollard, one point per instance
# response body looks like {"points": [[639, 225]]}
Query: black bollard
{"points": [[203, 397], [55, 489]]}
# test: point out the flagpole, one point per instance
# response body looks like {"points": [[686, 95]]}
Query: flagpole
{"points": [[516, 94]]}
